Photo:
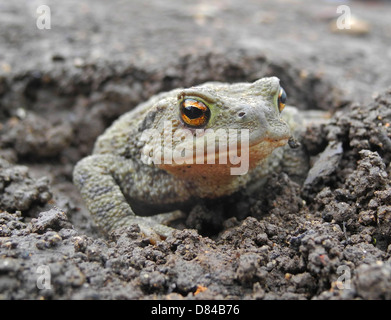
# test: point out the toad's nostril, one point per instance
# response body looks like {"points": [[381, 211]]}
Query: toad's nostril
{"points": [[241, 114]]}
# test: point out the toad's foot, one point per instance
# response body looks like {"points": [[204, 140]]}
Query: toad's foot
{"points": [[155, 227], [151, 229]]}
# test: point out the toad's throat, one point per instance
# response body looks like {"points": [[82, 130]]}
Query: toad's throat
{"points": [[216, 179], [213, 164]]}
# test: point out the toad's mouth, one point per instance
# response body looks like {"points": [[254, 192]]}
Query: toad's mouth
{"points": [[229, 154], [255, 152]]}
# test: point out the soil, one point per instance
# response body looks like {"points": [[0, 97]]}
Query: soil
{"points": [[328, 237]]}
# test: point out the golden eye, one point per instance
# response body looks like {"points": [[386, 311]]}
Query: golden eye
{"points": [[281, 99], [194, 113]]}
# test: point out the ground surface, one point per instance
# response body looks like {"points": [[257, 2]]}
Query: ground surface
{"points": [[60, 88]]}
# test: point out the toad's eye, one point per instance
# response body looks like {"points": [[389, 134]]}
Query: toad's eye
{"points": [[281, 99], [194, 113]]}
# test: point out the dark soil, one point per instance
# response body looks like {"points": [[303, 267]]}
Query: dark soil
{"points": [[326, 238]]}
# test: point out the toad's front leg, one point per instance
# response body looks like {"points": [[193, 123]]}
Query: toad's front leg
{"points": [[95, 177]]}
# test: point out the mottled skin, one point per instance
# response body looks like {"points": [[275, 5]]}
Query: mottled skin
{"points": [[120, 188]]}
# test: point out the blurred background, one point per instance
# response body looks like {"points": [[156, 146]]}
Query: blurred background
{"points": [[300, 32]]}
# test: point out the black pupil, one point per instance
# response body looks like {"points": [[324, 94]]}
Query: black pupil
{"points": [[282, 96], [192, 112]]}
